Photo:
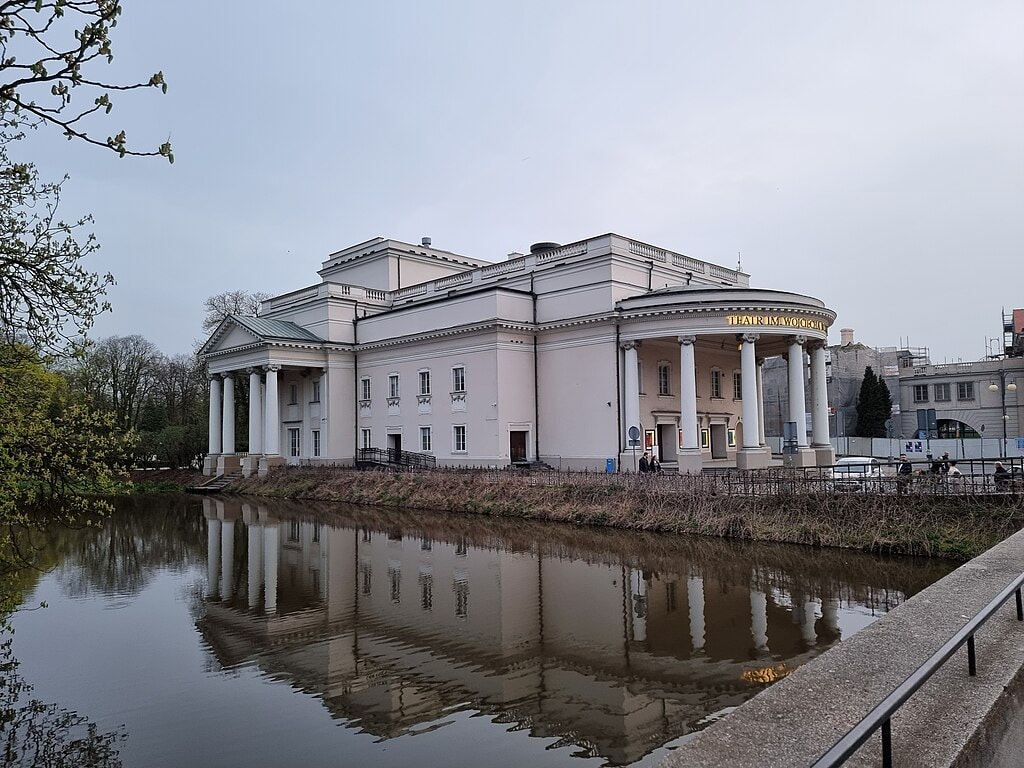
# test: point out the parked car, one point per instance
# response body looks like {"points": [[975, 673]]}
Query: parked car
{"points": [[856, 473]]}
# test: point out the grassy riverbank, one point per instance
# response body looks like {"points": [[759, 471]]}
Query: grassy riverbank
{"points": [[949, 526]]}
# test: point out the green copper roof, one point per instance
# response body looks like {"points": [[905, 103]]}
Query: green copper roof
{"points": [[275, 329]]}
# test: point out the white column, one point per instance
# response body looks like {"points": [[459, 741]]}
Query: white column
{"points": [[631, 384], [830, 613], [228, 420], [272, 426], [759, 619], [255, 412], [270, 537], [688, 393], [212, 556], [325, 414], [819, 394], [760, 401], [748, 359], [695, 600], [215, 415], [639, 595], [255, 563], [227, 558], [797, 406], [809, 619]]}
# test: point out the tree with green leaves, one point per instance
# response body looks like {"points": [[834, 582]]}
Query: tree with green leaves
{"points": [[48, 299], [56, 452], [874, 406]]}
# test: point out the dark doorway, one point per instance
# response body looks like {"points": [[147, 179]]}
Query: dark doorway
{"points": [[667, 437], [517, 445], [719, 441], [395, 448]]}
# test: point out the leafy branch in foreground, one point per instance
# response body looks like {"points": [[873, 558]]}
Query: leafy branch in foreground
{"points": [[49, 50], [48, 300]]}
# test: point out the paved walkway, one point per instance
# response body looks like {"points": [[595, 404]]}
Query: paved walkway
{"points": [[953, 720]]}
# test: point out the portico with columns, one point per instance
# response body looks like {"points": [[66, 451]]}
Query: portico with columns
{"points": [[723, 336], [288, 382]]}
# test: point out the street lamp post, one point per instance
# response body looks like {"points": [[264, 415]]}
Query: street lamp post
{"points": [[1002, 388]]}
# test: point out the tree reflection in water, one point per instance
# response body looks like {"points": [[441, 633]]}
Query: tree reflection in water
{"points": [[39, 735]]}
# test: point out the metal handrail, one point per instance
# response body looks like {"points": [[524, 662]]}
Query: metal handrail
{"points": [[880, 716]]}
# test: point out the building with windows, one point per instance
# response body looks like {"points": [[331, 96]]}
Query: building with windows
{"points": [[573, 355], [978, 399]]}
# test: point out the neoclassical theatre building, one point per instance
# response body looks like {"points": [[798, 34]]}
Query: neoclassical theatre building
{"points": [[551, 356]]}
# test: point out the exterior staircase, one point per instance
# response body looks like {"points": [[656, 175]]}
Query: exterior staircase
{"points": [[217, 483]]}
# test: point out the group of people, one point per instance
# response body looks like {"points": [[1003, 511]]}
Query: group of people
{"points": [[946, 468], [649, 463]]}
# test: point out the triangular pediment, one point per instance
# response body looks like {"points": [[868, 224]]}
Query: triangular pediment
{"points": [[237, 331], [230, 334]]}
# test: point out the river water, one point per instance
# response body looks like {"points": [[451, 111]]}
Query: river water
{"points": [[209, 632]]}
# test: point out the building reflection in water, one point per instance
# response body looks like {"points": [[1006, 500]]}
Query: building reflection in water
{"points": [[617, 643]]}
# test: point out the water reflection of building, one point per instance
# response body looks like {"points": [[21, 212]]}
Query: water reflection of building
{"points": [[391, 628]]}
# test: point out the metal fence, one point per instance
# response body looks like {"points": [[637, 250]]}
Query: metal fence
{"points": [[977, 479]]}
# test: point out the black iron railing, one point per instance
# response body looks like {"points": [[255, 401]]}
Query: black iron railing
{"points": [[881, 716], [394, 457]]}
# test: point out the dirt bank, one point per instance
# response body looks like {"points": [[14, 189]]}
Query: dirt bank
{"points": [[939, 526]]}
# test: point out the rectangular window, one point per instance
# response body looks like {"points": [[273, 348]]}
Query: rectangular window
{"points": [[920, 393], [293, 530], [424, 382], [460, 587], [393, 385], [316, 442], [395, 581], [737, 385], [364, 388], [458, 379], [640, 378], [716, 383], [664, 379], [965, 390], [426, 591], [942, 393], [425, 439], [367, 439], [293, 441], [459, 439], [366, 571], [316, 391], [293, 394]]}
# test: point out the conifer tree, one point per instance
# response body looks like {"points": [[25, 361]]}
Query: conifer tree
{"points": [[874, 406]]}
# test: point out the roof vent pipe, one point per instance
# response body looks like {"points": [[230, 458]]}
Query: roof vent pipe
{"points": [[425, 242]]}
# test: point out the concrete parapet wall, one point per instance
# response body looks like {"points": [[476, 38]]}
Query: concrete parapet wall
{"points": [[953, 720]]}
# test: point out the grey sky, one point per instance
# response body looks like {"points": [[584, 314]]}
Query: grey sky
{"points": [[869, 154]]}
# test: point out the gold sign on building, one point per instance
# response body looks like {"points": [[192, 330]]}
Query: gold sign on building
{"points": [[780, 321]]}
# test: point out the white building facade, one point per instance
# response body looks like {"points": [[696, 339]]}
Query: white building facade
{"points": [[550, 356]]}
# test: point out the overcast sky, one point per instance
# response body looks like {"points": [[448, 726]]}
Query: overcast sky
{"points": [[870, 154]]}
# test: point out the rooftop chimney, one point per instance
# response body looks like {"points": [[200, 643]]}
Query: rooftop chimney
{"points": [[845, 336]]}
